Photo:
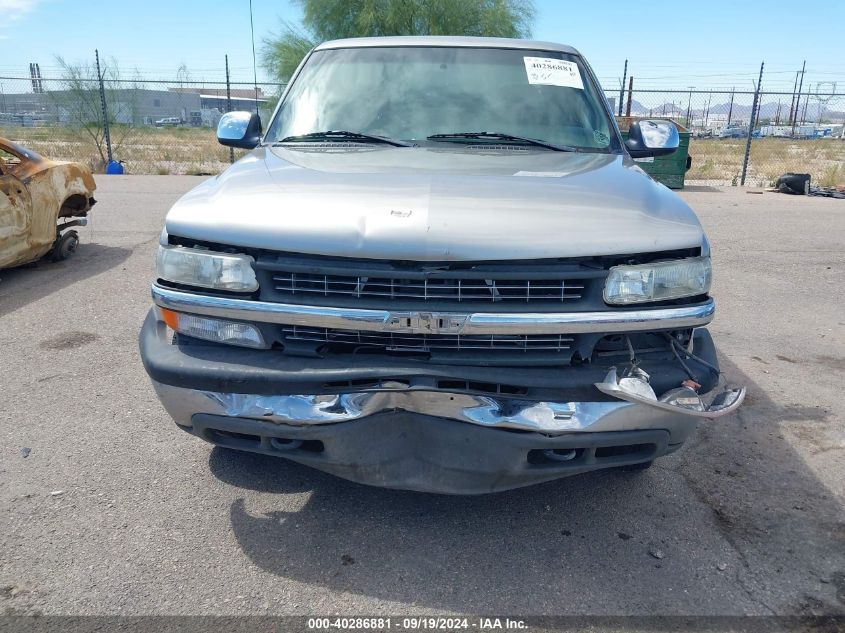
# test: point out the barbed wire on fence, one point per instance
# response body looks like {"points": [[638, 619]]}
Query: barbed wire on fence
{"points": [[167, 125]]}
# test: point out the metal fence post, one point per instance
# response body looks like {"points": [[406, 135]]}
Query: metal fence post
{"points": [[689, 106], [229, 106], [731, 108], [103, 106], [751, 125], [798, 98]]}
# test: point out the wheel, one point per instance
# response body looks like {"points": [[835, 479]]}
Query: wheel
{"points": [[64, 246], [636, 467]]}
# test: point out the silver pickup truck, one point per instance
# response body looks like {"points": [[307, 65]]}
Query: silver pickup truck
{"points": [[439, 269]]}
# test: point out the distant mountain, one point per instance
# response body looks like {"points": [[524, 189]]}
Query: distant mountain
{"points": [[768, 110]]}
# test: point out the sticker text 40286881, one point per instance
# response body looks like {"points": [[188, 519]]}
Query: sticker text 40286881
{"points": [[546, 71]]}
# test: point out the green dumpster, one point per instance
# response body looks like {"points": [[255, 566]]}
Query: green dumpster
{"points": [[669, 169]]}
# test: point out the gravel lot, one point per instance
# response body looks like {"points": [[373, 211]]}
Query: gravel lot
{"points": [[116, 511]]}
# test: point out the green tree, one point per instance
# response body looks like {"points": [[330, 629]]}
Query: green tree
{"points": [[335, 19], [79, 107]]}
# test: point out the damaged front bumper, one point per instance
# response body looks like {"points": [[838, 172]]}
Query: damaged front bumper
{"points": [[402, 429]]}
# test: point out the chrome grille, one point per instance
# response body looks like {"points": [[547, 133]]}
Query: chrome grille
{"points": [[428, 288], [398, 341]]}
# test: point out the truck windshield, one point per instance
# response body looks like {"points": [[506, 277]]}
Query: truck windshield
{"points": [[414, 93]]}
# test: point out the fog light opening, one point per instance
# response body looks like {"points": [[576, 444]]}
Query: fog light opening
{"points": [[285, 444], [561, 454]]}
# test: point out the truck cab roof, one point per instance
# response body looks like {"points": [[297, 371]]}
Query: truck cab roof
{"points": [[444, 40]]}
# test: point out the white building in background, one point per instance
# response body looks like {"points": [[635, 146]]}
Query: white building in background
{"points": [[716, 123], [778, 131]]}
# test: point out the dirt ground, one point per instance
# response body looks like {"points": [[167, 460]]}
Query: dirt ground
{"points": [[107, 508]]}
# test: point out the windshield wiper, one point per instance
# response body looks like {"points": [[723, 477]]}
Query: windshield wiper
{"points": [[343, 135], [457, 136]]}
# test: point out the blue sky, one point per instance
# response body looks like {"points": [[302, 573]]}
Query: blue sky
{"points": [[668, 44]]}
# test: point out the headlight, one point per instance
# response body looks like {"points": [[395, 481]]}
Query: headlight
{"points": [[206, 269], [658, 282]]}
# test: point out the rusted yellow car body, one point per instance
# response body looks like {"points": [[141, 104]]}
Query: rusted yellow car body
{"points": [[35, 193]]}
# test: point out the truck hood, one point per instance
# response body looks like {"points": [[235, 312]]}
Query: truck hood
{"points": [[436, 204]]}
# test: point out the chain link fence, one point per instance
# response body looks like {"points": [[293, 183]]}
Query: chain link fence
{"points": [[155, 127], [788, 132], [168, 127]]}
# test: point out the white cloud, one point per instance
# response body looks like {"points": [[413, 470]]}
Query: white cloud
{"points": [[14, 9]]}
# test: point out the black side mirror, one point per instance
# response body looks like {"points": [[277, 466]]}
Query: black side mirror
{"points": [[652, 138], [239, 129]]}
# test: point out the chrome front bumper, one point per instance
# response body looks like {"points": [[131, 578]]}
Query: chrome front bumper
{"points": [[616, 320]]}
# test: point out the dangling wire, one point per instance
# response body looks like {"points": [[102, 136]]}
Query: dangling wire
{"points": [[634, 369], [631, 355], [681, 361], [676, 348]]}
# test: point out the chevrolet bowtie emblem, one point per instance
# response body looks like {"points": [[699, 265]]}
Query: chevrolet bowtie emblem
{"points": [[426, 322]]}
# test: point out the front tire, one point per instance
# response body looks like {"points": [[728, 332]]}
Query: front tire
{"points": [[64, 246]]}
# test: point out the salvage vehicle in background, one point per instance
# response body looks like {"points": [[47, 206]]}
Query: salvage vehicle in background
{"points": [[734, 132], [440, 269], [40, 201]]}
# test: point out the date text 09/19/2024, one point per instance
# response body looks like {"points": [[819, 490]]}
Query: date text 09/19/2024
{"points": [[419, 623]]}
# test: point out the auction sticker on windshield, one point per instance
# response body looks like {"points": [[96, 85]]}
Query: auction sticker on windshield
{"points": [[546, 71]]}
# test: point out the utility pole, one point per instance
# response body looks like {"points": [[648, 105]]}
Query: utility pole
{"points": [[798, 98], [622, 87], [751, 125], [103, 106], [823, 100], [630, 92], [229, 106], [792, 101], [806, 104]]}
